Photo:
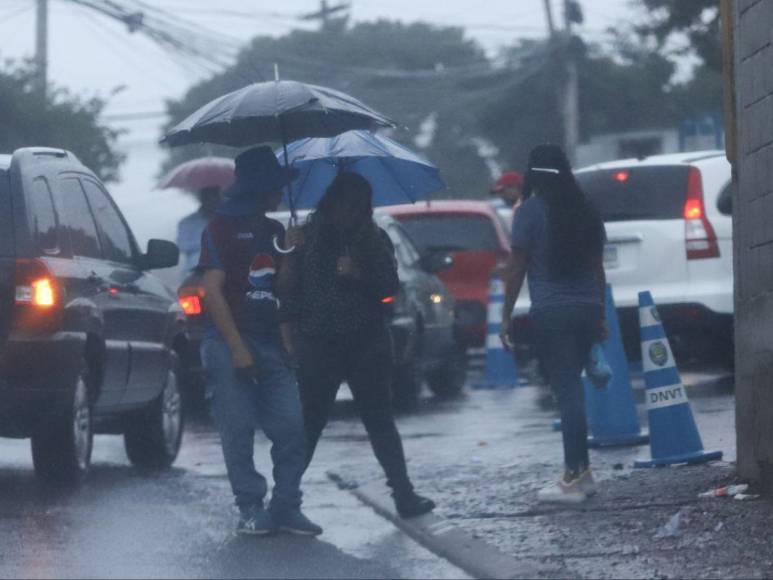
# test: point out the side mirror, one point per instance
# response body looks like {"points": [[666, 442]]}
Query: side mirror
{"points": [[435, 262], [161, 254]]}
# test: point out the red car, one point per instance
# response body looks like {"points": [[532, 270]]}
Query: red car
{"points": [[475, 236]]}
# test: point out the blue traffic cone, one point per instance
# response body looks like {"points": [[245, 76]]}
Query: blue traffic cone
{"points": [[612, 416], [674, 437], [500, 366]]}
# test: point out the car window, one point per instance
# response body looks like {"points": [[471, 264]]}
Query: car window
{"points": [[637, 193], [725, 199], [451, 232], [6, 217], [505, 215], [397, 243], [115, 237], [410, 253], [77, 219], [42, 217], [405, 255]]}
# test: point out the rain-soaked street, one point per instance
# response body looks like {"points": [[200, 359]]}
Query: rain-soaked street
{"points": [[482, 457], [121, 523]]}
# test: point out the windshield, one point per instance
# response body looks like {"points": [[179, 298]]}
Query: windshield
{"points": [[451, 233], [637, 193], [6, 224]]}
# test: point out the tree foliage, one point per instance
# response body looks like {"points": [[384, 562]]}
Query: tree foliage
{"points": [[62, 120], [417, 72], [698, 20], [407, 71]]}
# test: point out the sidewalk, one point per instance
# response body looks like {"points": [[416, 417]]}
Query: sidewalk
{"points": [[483, 464], [613, 534]]}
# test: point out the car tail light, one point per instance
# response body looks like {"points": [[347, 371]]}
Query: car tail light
{"points": [[190, 300], [35, 286], [397, 304], [700, 238], [622, 176], [191, 305]]}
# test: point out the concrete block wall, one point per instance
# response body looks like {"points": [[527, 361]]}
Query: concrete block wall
{"points": [[753, 238]]}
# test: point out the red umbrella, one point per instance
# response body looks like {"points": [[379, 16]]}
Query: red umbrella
{"points": [[200, 173]]}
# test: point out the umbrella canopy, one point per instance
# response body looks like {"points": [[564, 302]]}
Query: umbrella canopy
{"points": [[396, 174], [278, 111], [200, 173]]}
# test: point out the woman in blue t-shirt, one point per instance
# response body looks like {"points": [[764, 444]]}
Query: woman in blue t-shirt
{"points": [[558, 240]]}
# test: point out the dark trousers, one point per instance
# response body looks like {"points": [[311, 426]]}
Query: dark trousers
{"points": [[564, 337], [364, 360]]}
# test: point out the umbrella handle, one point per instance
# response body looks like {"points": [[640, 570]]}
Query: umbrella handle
{"points": [[279, 249]]}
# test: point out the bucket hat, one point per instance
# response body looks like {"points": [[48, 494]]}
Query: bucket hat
{"points": [[257, 172]]}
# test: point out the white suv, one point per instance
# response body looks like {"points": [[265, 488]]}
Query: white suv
{"points": [[669, 229]]}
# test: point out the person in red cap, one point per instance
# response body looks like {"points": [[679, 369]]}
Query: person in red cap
{"points": [[509, 188]]}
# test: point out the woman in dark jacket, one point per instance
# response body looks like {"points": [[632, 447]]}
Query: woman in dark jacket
{"points": [[336, 282], [558, 239]]}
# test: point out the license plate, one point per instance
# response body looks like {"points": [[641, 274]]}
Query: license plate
{"points": [[610, 257]]}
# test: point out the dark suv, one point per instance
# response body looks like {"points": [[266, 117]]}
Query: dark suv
{"points": [[88, 339]]}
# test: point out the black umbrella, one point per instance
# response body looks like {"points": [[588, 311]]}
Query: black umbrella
{"points": [[275, 111]]}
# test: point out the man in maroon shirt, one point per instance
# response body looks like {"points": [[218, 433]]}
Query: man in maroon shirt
{"points": [[243, 351]]}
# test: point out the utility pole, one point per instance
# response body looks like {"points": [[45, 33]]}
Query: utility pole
{"points": [[549, 19], [325, 14], [567, 101], [571, 105], [41, 48]]}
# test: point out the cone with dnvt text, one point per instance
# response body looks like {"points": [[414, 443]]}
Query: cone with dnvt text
{"points": [[674, 437], [612, 416], [500, 365]]}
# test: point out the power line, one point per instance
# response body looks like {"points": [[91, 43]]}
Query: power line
{"points": [[168, 18], [140, 116], [185, 38], [15, 12], [125, 53]]}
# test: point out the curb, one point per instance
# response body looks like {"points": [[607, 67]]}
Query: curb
{"points": [[438, 535]]}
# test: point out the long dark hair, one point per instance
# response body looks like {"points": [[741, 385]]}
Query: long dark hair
{"points": [[576, 229], [348, 190]]}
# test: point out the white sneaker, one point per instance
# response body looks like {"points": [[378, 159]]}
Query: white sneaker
{"points": [[563, 492], [587, 483]]}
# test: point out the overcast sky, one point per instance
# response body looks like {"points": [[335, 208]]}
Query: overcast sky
{"points": [[90, 54]]}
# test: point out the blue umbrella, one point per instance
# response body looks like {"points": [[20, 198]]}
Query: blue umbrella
{"points": [[396, 174]]}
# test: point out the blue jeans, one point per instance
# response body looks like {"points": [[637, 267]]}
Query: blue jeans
{"points": [[240, 406], [564, 337]]}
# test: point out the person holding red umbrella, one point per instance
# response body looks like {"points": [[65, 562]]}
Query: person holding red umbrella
{"points": [[190, 228], [207, 177]]}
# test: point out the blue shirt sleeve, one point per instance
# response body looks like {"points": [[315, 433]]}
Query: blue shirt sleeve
{"points": [[523, 226]]}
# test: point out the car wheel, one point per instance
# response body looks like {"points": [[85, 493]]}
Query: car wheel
{"points": [[449, 380], [153, 436], [61, 449]]}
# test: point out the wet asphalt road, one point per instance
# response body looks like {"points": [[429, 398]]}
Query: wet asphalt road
{"points": [[123, 524], [471, 454]]}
